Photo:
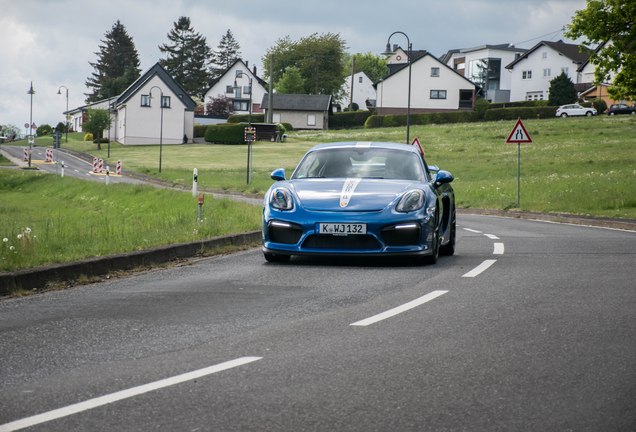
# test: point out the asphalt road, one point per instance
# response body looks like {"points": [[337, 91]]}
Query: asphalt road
{"points": [[530, 326]]}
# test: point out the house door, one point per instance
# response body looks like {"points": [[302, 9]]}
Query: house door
{"points": [[466, 99]]}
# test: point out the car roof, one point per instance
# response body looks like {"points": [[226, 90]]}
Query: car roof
{"points": [[366, 144]]}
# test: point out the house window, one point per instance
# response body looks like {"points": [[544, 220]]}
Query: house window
{"points": [[229, 89], [165, 101], [546, 73], [360, 79], [276, 118], [534, 96], [526, 75], [434, 71], [438, 94], [565, 70], [311, 119], [247, 89], [145, 100], [239, 73], [544, 56], [238, 92], [239, 105]]}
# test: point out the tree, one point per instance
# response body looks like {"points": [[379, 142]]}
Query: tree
{"points": [[319, 58], [611, 24], [97, 121], [226, 52], [117, 65], [562, 91], [44, 129], [372, 65], [187, 58], [220, 105], [291, 82]]}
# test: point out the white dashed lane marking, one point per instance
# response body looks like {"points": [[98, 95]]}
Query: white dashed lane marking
{"points": [[480, 268], [397, 310]]}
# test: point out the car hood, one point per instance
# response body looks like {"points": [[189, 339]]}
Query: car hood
{"points": [[352, 194]]}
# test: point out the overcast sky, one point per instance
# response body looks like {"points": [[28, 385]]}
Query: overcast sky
{"points": [[50, 42]]}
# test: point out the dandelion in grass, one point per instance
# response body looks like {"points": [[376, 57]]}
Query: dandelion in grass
{"points": [[12, 248], [19, 236], [5, 239]]}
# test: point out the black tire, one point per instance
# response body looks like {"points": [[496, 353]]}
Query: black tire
{"points": [[276, 258], [449, 248], [564, 115], [432, 259], [632, 113], [611, 113], [589, 114]]}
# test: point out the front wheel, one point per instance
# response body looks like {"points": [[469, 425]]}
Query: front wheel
{"points": [[588, 114], [632, 113], [611, 113], [270, 257], [449, 248], [432, 259], [564, 115]]}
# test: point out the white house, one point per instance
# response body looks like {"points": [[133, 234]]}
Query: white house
{"points": [[532, 72], [153, 109], [238, 74], [483, 65], [300, 110], [435, 87], [363, 92]]}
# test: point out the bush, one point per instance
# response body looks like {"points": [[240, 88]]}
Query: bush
{"points": [[346, 120], [102, 140], [288, 126], [44, 130], [422, 119], [523, 113], [88, 137], [600, 105], [60, 127], [518, 104], [481, 106], [199, 131], [225, 134], [245, 118]]}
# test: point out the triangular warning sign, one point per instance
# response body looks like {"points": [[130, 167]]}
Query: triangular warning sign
{"points": [[417, 141], [519, 134]]}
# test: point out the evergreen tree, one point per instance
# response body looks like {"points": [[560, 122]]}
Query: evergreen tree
{"points": [[562, 91], [225, 54], [291, 82], [117, 65], [187, 58]]}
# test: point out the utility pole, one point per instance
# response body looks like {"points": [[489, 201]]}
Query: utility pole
{"points": [[353, 68], [316, 74], [270, 95]]}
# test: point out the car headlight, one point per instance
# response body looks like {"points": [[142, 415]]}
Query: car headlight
{"points": [[281, 199], [411, 201]]}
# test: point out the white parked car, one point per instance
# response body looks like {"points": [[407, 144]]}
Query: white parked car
{"points": [[574, 110]]}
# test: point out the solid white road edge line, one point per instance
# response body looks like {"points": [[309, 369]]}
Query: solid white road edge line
{"points": [[472, 230], [492, 236], [124, 394], [480, 268], [499, 249], [392, 312]]}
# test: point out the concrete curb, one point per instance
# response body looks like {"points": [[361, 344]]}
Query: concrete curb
{"points": [[37, 277]]}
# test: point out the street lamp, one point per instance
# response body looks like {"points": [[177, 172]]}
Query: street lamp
{"points": [[66, 113], [388, 52], [249, 125], [161, 129], [31, 92]]}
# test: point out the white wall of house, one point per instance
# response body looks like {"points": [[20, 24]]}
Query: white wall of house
{"points": [[429, 77], [77, 118], [544, 64], [316, 120], [241, 73], [362, 91], [139, 124]]}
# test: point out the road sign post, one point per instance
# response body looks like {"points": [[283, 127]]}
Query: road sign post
{"points": [[200, 200], [519, 135], [416, 141], [250, 135]]}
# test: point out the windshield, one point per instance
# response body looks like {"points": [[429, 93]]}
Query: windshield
{"points": [[361, 163]]}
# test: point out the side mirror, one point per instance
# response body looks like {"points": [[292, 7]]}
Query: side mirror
{"points": [[443, 177], [278, 174]]}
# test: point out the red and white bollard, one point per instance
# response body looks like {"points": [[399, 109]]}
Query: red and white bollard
{"points": [[94, 164], [49, 155], [26, 154], [118, 171], [100, 168]]}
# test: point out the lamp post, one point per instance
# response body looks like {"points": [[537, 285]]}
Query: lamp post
{"points": [[249, 125], [31, 92], [66, 113], [388, 52], [161, 129]]}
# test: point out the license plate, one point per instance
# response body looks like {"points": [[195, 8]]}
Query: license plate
{"points": [[342, 228]]}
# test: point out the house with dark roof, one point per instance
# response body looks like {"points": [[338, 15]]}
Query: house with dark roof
{"points": [[154, 109], [483, 65], [301, 111], [435, 87], [234, 83], [533, 71]]}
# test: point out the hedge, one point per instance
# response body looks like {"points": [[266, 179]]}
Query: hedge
{"points": [[519, 104], [523, 113], [245, 118], [225, 134], [346, 120], [422, 119], [199, 131]]}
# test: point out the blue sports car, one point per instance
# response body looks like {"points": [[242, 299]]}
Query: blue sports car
{"points": [[360, 199]]}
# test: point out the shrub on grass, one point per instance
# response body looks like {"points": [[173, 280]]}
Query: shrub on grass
{"points": [[523, 113], [346, 120], [225, 134], [88, 137], [44, 130], [599, 104], [199, 131], [481, 106]]}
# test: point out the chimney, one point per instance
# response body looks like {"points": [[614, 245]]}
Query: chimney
{"points": [[247, 64], [395, 47], [254, 70]]}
